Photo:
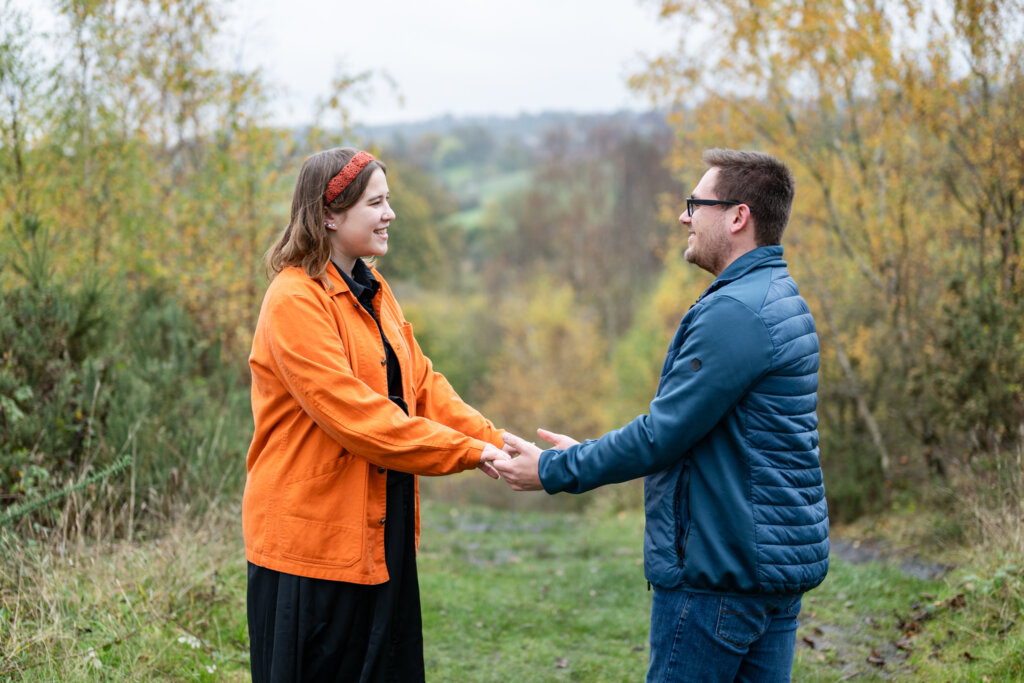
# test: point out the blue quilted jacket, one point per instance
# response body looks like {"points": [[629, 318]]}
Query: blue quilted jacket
{"points": [[733, 492]]}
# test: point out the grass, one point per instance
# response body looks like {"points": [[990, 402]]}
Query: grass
{"points": [[522, 596], [167, 609], [874, 621], [533, 596]]}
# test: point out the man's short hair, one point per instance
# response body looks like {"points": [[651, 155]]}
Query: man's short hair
{"points": [[760, 181]]}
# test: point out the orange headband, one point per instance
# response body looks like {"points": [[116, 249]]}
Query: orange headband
{"points": [[346, 175]]}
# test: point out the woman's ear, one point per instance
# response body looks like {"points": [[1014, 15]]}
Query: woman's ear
{"points": [[331, 220]]}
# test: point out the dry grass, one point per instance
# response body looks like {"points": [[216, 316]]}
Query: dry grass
{"points": [[171, 607]]}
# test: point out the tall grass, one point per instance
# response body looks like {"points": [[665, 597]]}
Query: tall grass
{"points": [[170, 608]]}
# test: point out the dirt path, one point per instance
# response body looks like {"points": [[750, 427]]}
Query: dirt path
{"points": [[859, 552], [870, 646]]}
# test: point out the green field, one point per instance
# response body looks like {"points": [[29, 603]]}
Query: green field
{"points": [[466, 181], [507, 596]]}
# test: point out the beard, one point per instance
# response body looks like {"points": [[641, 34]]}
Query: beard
{"points": [[708, 251]]}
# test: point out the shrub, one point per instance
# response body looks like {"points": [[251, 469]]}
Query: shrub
{"points": [[111, 404]]}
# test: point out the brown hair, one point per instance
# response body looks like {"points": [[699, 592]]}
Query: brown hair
{"points": [[760, 181], [306, 242]]}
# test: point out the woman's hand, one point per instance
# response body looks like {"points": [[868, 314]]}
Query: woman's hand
{"points": [[489, 455]]}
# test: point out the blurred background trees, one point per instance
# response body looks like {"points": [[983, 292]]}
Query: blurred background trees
{"points": [[903, 123], [538, 257]]}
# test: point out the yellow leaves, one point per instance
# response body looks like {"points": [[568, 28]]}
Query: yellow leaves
{"points": [[552, 369], [669, 9]]}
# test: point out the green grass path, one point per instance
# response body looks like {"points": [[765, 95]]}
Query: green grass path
{"points": [[506, 596]]}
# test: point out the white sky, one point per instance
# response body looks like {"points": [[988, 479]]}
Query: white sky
{"points": [[450, 56], [458, 57]]}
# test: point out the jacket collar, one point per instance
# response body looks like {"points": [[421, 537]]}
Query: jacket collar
{"points": [[363, 285], [339, 286], [759, 257]]}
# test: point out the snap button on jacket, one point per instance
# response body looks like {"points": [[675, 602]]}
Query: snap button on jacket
{"points": [[323, 422]]}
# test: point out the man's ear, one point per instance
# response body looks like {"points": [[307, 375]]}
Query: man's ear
{"points": [[742, 219]]}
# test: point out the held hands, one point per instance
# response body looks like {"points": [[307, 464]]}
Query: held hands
{"points": [[521, 472], [489, 455]]}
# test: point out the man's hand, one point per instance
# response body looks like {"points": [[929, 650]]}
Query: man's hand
{"points": [[559, 441], [489, 455], [521, 472]]}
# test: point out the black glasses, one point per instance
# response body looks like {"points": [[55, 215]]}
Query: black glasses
{"points": [[691, 202]]}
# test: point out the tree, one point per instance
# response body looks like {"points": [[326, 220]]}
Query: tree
{"points": [[900, 124], [551, 368], [591, 215]]}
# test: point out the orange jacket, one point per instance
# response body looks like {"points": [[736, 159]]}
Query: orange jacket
{"points": [[326, 432]]}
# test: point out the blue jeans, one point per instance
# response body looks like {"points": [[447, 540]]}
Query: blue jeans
{"points": [[698, 637]]}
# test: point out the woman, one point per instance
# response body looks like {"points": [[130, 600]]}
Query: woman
{"points": [[347, 410]]}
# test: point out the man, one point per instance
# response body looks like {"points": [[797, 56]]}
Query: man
{"points": [[736, 521]]}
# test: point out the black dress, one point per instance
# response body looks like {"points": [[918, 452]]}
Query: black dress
{"points": [[303, 629]]}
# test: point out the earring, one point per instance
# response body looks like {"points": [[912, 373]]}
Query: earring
{"points": [[329, 225]]}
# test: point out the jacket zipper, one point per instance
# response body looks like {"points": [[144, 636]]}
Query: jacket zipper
{"points": [[683, 512]]}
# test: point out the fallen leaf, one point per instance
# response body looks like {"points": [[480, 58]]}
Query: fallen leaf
{"points": [[810, 643], [562, 663], [877, 661], [969, 657]]}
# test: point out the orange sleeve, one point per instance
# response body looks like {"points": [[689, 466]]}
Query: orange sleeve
{"points": [[438, 401], [307, 356]]}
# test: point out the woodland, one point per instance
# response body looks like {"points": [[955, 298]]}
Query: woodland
{"points": [[539, 257]]}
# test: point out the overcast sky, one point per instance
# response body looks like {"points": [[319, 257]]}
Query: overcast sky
{"points": [[452, 57]]}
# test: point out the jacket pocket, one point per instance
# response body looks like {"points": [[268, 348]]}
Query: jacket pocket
{"points": [[316, 542], [322, 517], [682, 512]]}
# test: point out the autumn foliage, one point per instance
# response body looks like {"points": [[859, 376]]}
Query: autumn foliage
{"points": [[903, 122], [155, 174]]}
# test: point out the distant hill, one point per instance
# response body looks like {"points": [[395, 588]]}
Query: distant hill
{"points": [[527, 129]]}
